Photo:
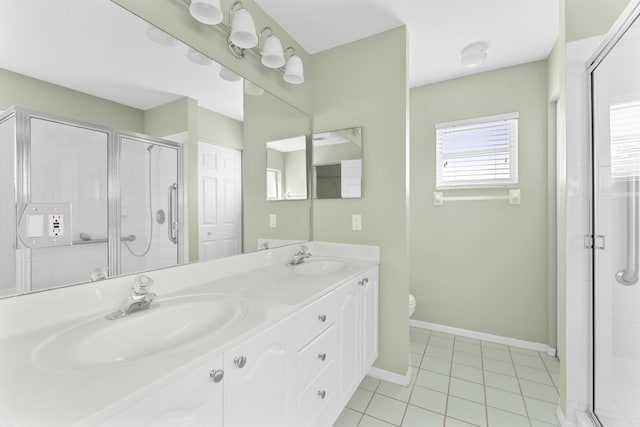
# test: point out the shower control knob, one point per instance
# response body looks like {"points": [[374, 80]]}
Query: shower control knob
{"points": [[216, 375], [322, 317], [240, 361], [322, 394]]}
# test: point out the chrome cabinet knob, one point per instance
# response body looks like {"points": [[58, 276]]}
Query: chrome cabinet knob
{"points": [[322, 317], [216, 375], [322, 394], [322, 356], [240, 361]]}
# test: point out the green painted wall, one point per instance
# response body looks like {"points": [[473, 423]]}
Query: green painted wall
{"points": [[587, 18], [352, 87], [218, 129], [482, 265], [173, 17], [26, 92], [167, 119], [328, 154], [267, 118]]}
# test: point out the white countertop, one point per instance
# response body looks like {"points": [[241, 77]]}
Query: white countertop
{"points": [[35, 395]]}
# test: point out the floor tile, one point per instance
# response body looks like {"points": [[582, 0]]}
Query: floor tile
{"points": [[555, 377], [503, 382], [452, 422], [468, 373], [360, 400], [543, 411], [395, 391], [386, 409], [440, 366], [369, 383], [505, 368], [535, 375], [553, 365], [499, 418], [442, 334], [467, 411], [418, 417], [487, 344], [466, 347], [433, 381], [467, 340], [368, 421], [417, 347], [539, 391], [536, 423], [429, 399], [527, 360], [523, 351], [467, 390], [415, 360], [467, 359], [505, 400], [348, 418], [497, 354], [441, 342], [420, 338], [438, 352], [420, 331]]}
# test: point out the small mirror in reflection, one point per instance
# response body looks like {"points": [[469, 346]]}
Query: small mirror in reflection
{"points": [[287, 169], [337, 164]]}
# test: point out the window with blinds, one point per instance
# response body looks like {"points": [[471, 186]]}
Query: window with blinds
{"points": [[480, 152], [625, 140]]}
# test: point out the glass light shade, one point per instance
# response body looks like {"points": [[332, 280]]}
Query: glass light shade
{"points": [[198, 58], [294, 71], [243, 30], [272, 53], [228, 75], [206, 11], [473, 55]]}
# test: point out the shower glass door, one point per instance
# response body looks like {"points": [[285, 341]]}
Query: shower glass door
{"points": [[149, 204], [615, 88]]}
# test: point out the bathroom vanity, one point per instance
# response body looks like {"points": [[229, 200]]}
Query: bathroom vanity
{"points": [[245, 341]]}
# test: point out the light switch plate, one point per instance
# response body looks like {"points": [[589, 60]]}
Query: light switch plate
{"points": [[356, 222], [273, 223]]}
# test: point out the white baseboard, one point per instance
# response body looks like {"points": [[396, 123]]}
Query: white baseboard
{"points": [[392, 377], [514, 342]]}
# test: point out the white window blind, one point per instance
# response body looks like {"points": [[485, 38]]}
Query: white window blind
{"points": [[480, 152], [625, 140]]}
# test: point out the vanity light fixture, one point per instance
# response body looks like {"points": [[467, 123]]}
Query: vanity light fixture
{"points": [[474, 55], [294, 70], [228, 75], [243, 30], [156, 35], [272, 53], [206, 11], [198, 58]]}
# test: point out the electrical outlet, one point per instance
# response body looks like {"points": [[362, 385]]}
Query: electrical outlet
{"points": [[273, 223], [356, 222]]}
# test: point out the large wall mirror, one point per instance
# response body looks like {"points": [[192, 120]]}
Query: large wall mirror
{"points": [[337, 164], [124, 150]]}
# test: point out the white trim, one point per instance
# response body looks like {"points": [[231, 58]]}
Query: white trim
{"points": [[514, 342], [391, 377], [562, 419], [477, 120]]}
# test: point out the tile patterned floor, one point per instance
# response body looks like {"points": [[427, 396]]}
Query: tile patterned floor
{"points": [[461, 382]]}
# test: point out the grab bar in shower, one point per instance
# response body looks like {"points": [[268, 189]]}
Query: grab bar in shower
{"points": [[173, 213], [629, 275], [91, 240]]}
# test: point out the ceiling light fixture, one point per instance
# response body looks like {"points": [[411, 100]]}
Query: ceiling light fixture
{"points": [[242, 38], [206, 11], [474, 55], [228, 75], [198, 58]]}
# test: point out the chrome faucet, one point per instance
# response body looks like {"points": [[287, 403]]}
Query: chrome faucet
{"points": [[299, 257], [140, 298]]}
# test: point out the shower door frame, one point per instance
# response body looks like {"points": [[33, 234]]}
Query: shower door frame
{"points": [[22, 163], [620, 27]]}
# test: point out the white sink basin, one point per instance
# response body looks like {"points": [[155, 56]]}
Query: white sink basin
{"points": [[174, 323], [319, 267]]}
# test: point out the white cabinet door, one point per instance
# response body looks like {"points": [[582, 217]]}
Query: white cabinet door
{"points": [[348, 331], [260, 379], [195, 400], [369, 319]]}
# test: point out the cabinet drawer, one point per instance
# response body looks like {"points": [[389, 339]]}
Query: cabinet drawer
{"points": [[315, 318], [318, 400], [316, 356]]}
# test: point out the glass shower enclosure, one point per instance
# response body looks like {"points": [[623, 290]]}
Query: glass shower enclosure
{"points": [[615, 129], [84, 202]]}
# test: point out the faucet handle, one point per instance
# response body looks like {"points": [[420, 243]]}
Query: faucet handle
{"points": [[141, 284]]}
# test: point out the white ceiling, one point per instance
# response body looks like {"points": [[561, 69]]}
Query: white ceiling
{"points": [[517, 31]]}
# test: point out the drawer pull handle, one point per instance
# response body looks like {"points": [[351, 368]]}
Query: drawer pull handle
{"points": [[216, 375], [322, 317], [240, 361], [322, 394], [363, 281], [322, 356]]}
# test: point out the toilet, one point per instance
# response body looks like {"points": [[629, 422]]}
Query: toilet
{"points": [[412, 305]]}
